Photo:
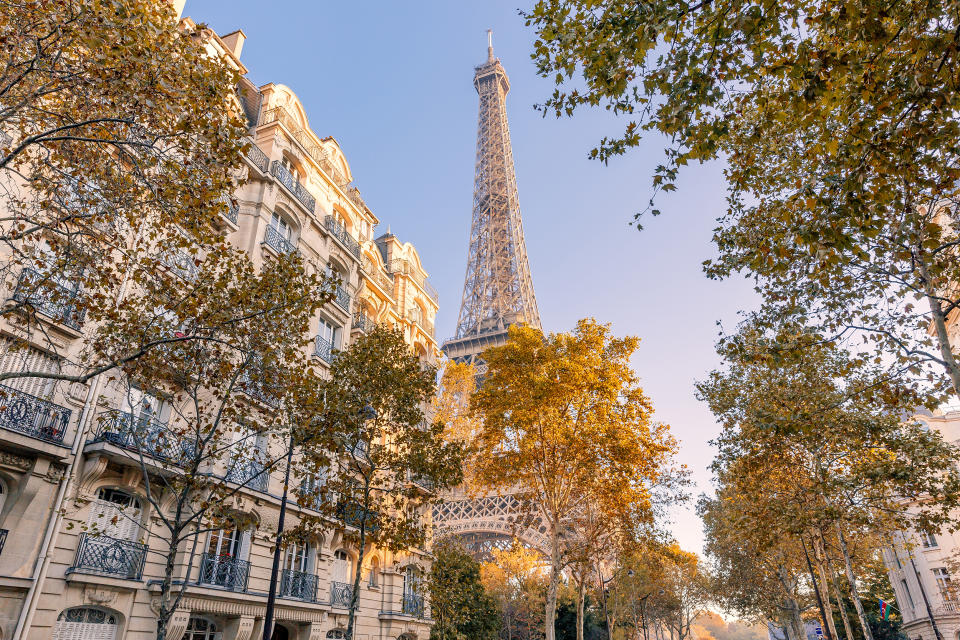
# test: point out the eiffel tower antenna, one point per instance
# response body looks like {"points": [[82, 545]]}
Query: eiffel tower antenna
{"points": [[497, 289]]}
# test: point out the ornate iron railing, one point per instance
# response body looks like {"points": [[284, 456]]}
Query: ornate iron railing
{"points": [[182, 264], [283, 175], [363, 322], [143, 434], [31, 415], [426, 325], [420, 481], [340, 232], [412, 605], [323, 349], [258, 157], [298, 585], [342, 299], [254, 389], [233, 210], [407, 268], [384, 279], [49, 297], [103, 555], [284, 117], [224, 571], [3, 538], [275, 240], [341, 594], [249, 473]]}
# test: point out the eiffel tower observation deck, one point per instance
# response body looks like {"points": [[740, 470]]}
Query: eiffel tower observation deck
{"points": [[498, 289]]}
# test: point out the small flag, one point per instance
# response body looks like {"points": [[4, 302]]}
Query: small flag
{"points": [[884, 610]]}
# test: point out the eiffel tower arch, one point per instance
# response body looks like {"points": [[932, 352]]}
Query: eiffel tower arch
{"points": [[497, 292]]}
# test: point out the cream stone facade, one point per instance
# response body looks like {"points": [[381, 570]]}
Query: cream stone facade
{"points": [[299, 196]]}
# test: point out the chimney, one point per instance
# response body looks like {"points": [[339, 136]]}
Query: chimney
{"points": [[234, 42]]}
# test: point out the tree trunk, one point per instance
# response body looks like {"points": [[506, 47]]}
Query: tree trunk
{"points": [[836, 593], [851, 578], [580, 596], [940, 326], [550, 608], [355, 595], [818, 554]]}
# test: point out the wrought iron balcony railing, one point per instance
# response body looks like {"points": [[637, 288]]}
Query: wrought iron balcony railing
{"points": [[363, 322], [3, 538], [340, 232], [182, 264], [233, 211], [105, 556], [143, 434], [258, 157], [298, 585], [255, 389], [284, 117], [420, 481], [224, 571], [276, 241], [31, 415], [249, 473], [412, 605], [49, 297], [341, 594], [383, 279], [323, 349], [342, 299], [283, 175]]}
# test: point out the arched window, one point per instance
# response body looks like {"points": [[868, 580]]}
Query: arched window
{"points": [[116, 514], [289, 165], [279, 224], [202, 629], [375, 572], [85, 623], [341, 567], [297, 558]]}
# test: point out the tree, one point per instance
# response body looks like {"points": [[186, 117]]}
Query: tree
{"points": [[460, 605], [451, 407], [389, 462], [565, 423], [120, 145], [815, 447], [207, 420], [515, 580], [836, 123]]}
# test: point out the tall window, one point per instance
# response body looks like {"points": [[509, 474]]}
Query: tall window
{"points": [[329, 332], [292, 168], [298, 558], [945, 583], [116, 514], [281, 226], [411, 580], [86, 623], [16, 357], [928, 540], [375, 572], [225, 542], [341, 567]]}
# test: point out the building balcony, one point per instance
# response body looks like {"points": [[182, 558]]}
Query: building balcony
{"points": [[276, 241], [250, 474], [232, 213], [407, 268], [341, 594], [426, 325], [259, 159], [412, 605], [352, 515], [298, 585], [105, 556], [284, 117], [182, 264], [383, 279], [339, 232], [49, 297], [224, 571], [144, 435], [323, 349], [342, 298], [424, 483], [362, 322], [294, 186], [32, 416]]}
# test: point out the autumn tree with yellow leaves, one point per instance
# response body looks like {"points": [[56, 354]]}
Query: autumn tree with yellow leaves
{"points": [[566, 424]]}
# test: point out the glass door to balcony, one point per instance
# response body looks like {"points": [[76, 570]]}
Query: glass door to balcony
{"points": [[223, 564]]}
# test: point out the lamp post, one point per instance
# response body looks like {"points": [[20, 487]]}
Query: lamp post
{"points": [[367, 413]]}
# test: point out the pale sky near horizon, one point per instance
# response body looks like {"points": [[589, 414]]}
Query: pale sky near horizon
{"points": [[392, 82]]}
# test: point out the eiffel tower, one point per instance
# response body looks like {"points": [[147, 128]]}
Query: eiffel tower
{"points": [[497, 290]]}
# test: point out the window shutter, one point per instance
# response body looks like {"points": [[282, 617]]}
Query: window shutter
{"points": [[28, 359], [244, 553]]}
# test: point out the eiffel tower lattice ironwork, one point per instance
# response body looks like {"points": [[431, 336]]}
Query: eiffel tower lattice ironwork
{"points": [[498, 289], [497, 292]]}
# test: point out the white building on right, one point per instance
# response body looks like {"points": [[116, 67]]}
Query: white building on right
{"points": [[923, 567]]}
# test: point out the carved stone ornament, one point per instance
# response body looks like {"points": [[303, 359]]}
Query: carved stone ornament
{"points": [[178, 624], [13, 460], [55, 471], [97, 595], [94, 468]]}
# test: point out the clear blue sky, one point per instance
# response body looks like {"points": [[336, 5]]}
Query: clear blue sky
{"points": [[393, 83]]}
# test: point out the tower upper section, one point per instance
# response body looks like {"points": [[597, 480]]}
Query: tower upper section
{"points": [[498, 289]]}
